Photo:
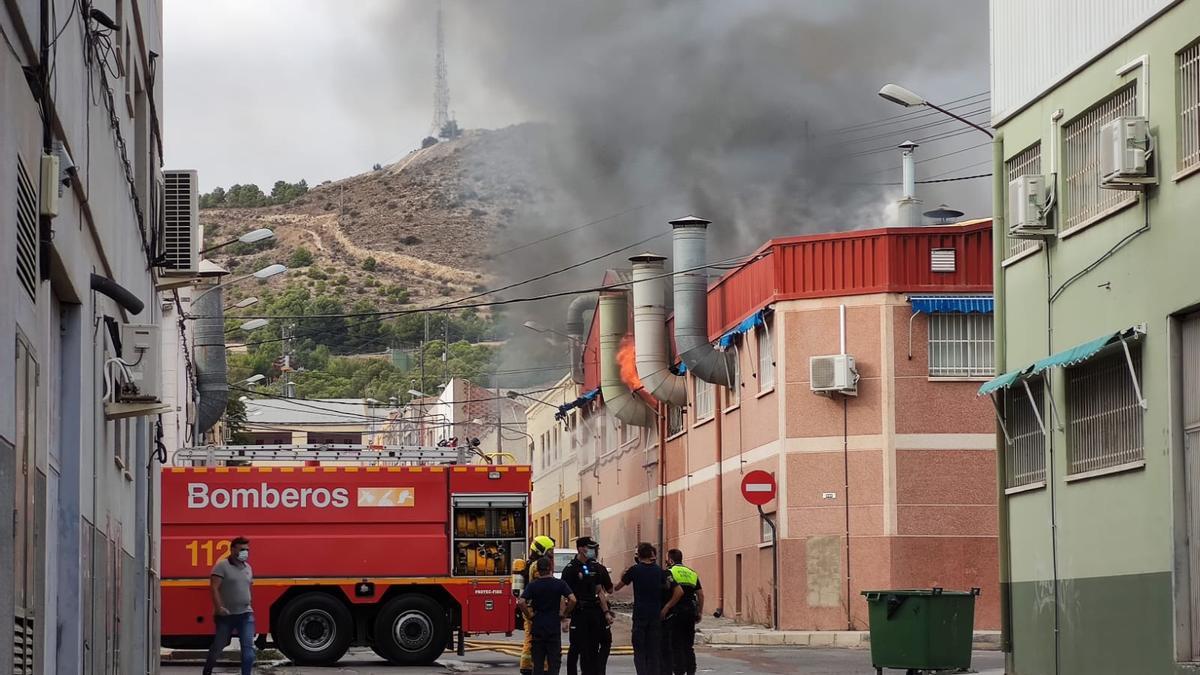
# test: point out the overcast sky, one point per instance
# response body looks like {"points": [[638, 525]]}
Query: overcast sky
{"points": [[321, 89]]}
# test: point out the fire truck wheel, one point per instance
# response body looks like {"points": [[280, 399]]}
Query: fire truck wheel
{"points": [[412, 630], [314, 629]]}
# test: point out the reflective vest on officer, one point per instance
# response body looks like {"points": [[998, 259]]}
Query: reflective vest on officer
{"points": [[685, 576]]}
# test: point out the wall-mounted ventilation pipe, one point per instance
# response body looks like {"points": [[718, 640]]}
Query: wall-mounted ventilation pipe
{"points": [[618, 399], [702, 359], [123, 296], [650, 331], [575, 313], [212, 378]]}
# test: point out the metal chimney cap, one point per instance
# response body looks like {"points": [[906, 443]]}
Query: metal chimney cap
{"points": [[647, 257], [908, 145], [690, 221]]}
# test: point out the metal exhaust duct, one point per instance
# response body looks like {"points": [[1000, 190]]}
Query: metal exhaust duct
{"points": [[212, 378], [704, 361], [650, 331], [575, 312], [614, 319]]}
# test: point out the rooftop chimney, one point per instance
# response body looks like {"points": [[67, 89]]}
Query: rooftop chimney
{"points": [[909, 207]]}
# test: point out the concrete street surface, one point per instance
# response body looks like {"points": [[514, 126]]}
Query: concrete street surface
{"points": [[722, 661]]}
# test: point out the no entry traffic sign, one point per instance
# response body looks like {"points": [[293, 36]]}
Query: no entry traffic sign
{"points": [[758, 487]]}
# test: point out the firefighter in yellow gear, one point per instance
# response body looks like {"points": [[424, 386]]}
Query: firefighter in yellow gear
{"points": [[541, 546]]}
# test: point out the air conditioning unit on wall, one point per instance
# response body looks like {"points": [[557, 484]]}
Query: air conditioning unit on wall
{"points": [[141, 349], [1027, 208], [1125, 147], [180, 223], [834, 374]]}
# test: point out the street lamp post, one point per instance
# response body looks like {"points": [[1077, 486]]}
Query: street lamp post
{"points": [[904, 97], [250, 237], [265, 273]]}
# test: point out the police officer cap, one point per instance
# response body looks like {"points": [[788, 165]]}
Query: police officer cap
{"points": [[586, 541]]}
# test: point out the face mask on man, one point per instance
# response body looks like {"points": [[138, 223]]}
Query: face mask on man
{"points": [[592, 553], [243, 555]]}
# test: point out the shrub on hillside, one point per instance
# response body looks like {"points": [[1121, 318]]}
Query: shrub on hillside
{"points": [[301, 257], [369, 265]]}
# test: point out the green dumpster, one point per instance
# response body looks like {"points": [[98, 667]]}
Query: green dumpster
{"points": [[924, 629]]}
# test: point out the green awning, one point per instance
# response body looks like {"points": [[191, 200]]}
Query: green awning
{"points": [[1002, 382], [1068, 357], [1082, 352]]}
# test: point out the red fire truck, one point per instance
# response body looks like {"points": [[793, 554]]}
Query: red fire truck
{"points": [[395, 548]]}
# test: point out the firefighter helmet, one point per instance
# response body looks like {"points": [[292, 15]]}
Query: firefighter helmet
{"points": [[542, 545]]}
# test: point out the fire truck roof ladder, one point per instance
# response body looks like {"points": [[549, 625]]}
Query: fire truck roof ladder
{"points": [[369, 455]]}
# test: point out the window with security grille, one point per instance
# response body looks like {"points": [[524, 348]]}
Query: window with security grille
{"points": [[1026, 162], [703, 399], [1084, 201], [961, 345], [1187, 64], [1104, 415], [674, 419], [1025, 457], [766, 357]]}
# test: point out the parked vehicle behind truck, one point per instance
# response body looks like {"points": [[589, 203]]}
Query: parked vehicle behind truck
{"points": [[397, 549]]}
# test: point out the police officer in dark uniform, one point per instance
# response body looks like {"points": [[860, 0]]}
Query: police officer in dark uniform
{"points": [[591, 638], [681, 614]]}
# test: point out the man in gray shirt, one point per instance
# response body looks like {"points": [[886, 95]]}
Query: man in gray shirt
{"points": [[230, 582]]}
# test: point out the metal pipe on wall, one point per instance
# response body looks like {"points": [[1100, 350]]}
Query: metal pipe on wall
{"points": [[574, 331], [614, 319], [702, 359], [999, 250], [650, 331]]}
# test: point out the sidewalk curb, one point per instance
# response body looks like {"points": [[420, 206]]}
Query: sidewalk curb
{"points": [[752, 636]]}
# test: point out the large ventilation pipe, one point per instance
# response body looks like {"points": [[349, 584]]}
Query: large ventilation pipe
{"points": [[212, 378], [575, 313], [650, 331], [618, 399], [691, 304]]}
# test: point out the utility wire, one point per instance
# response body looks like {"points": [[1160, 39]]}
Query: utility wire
{"points": [[570, 230], [949, 105]]}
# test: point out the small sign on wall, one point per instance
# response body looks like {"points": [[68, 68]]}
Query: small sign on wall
{"points": [[828, 495]]}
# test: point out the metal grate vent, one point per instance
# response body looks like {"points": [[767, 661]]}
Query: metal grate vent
{"points": [[180, 225], [22, 645], [1085, 201], [1188, 65], [27, 232], [942, 260], [1027, 162]]}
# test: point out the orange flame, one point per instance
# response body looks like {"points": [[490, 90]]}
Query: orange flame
{"points": [[627, 359]]}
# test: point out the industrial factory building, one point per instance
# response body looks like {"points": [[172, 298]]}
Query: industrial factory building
{"points": [[846, 365]]}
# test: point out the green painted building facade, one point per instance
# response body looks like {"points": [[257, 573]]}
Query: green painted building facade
{"points": [[1099, 520]]}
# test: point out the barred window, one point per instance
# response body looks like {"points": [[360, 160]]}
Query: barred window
{"points": [[766, 358], [1026, 162], [1025, 458], [1085, 201], [703, 399], [961, 345], [1188, 68], [674, 419], [1104, 415]]}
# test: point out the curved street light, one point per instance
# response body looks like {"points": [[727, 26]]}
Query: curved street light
{"points": [[907, 98], [251, 237], [265, 273]]}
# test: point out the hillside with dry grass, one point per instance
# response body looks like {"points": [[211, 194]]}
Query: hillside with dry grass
{"points": [[411, 234]]}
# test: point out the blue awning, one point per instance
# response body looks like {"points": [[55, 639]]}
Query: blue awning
{"points": [[952, 304], [1083, 352], [753, 321], [582, 400]]}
